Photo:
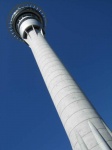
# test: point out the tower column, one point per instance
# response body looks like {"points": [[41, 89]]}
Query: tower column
{"points": [[84, 127], [71, 104]]}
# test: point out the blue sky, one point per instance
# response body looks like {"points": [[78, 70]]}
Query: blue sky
{"points": [[80, 32]]}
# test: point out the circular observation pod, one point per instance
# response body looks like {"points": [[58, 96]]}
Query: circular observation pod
{"points": [[26, 17]]}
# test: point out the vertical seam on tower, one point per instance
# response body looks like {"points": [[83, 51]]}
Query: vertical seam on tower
{"points": [[52, 67], [48, 62], [83, 140], [65, 97], [53, 72], [40, 57], [75, 113], [64, 88], [80, 123], [56, 77], [70, 104], [60, 82]]}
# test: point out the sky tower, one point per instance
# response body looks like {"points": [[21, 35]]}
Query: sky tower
{"points": [[84, 127]]}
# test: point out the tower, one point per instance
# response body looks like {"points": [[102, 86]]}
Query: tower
{"points": [[84, 127]]}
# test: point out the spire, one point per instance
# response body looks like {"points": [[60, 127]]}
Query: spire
{"points": [[102, 143]]}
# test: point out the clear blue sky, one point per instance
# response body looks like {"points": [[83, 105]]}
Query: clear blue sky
{"points": [[80, 32]]}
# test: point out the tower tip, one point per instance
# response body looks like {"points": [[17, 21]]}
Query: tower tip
{"points": [[23, 17]]}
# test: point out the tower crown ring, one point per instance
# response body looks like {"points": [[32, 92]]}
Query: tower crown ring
{"points": [[23, 13]]}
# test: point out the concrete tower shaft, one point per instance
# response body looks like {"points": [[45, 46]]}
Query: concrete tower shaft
{"points": [[84, 127]]}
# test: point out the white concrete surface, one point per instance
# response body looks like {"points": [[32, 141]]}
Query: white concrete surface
{"points": [[99, 138], [72, 106]]}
